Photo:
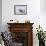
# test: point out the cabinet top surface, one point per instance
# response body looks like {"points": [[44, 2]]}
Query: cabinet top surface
{"points": [[19, 23]]}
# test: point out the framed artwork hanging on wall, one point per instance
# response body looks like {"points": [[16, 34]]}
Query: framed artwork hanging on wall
{"points": [[20, 9]]}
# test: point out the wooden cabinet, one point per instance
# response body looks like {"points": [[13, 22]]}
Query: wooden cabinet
{"points": [[22, 33]]}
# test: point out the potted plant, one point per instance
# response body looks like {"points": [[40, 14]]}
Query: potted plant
{"points": [[41, 36]]}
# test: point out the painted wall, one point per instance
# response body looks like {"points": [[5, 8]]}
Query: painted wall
{"points": [[33, 11], [33, 14], [43, 14], [0, 15], [43, 6]]}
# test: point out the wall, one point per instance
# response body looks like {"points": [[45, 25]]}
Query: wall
{"points": [[43, 6], [0, 15], [33, 11], [43, 14], [33, 14]]}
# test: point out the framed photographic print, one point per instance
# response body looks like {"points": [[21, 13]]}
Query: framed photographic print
{"points": [[20, 9]]}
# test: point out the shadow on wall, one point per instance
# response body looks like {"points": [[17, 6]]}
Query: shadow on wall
{"points": [[0, 15]]}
